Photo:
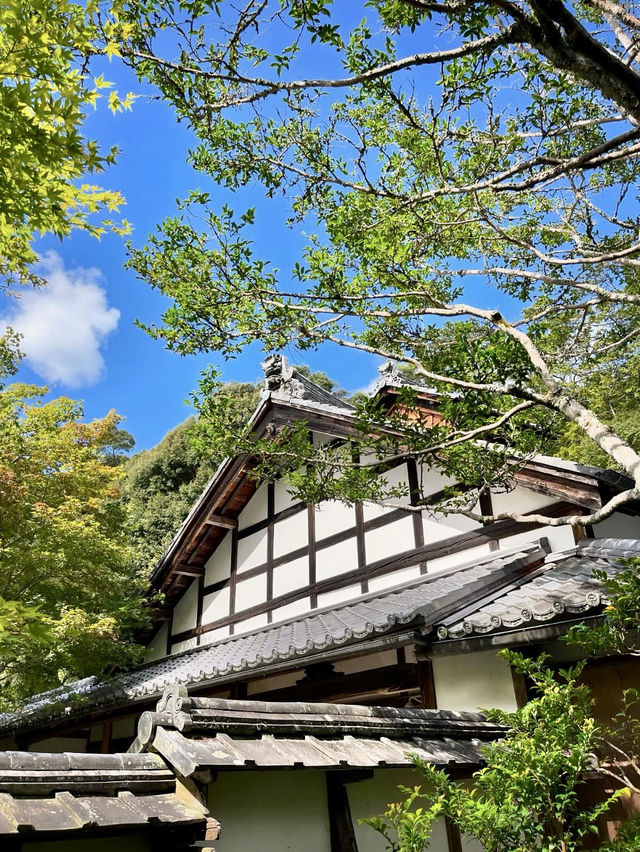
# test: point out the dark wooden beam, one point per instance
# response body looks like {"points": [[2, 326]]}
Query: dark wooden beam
{"points": [[342, 832], [185, 570], [427, 685], [386, 680], [453, 836], [519, 688], [222, 521], [486, 507]]}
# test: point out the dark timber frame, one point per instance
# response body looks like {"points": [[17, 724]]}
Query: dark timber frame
{"points": [[491, 534]]}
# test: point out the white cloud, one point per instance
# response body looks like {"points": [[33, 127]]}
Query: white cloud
{"points": [[65, 323]]}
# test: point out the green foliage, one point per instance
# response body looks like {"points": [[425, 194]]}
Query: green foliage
{"points": [[617, 633], [70, 597], [612, 390], [45, 161], [405, 827], [423, 199], [526, 796], [161, 485]]}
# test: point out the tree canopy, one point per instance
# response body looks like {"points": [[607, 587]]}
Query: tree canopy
{"points": [[464, 177], [70, 595], [45, 160], [161, 485]]}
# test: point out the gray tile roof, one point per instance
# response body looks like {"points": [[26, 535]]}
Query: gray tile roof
{"points": [[193, 734], [62, 794], [423, 602], [564, 584]]}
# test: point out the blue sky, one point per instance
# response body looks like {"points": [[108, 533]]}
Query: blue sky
{"points": [[80, 336], [79, 333]]}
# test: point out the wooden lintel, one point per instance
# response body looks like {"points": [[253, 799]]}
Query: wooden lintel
{"points": [[222, 521], [189, 570]]}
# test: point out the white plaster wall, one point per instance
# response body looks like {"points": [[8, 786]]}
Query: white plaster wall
{"points": [[60, 744], [521, 500], [255, 510], [122, 728], [386, 581], [299, 607], [389, 540], [398, 477], [252, 551], [290, 534], [348, 593], [216, 605], [337, 559], [281, 494], [218, 566], [332, 516], [290, 576], [367, 662], [266, 684], [271, 811], [250, 624], [432, 480], [157, 648], [320, 438], [370, 511], [251, 592], [618, 526], [372, 797], [185, 645], [185, 612], [471, 845], [560, 538], [461, 558], [473, 681], [437, 526], [214, 635]]}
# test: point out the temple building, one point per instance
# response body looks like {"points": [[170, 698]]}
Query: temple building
{"points": [[302, 652]]}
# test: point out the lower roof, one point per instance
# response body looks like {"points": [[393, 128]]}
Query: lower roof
{"points": [[58, 795], [196, 734], [563, 587], [420, 604]]}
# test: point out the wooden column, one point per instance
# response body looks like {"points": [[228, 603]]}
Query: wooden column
{"points": [[362, 553], [415, 497], [519, 688], [427, 684], [486, 507], [106, 737], [453, 836], [311, 524], [233, 577], [271, 510], [343, 836]]}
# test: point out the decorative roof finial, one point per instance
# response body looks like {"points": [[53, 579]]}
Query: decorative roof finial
{"points": [[279, 377]]}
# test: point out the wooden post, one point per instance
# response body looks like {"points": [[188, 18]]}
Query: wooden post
{"points": [[427, 684], [343, 836], [106, 737], [519, 688], [453, 836]]}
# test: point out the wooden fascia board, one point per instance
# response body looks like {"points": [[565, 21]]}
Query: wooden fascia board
{"points": [[554, 482]]}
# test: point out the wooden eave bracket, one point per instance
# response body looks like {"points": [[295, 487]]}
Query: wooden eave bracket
{"points": [[221, 521]]}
